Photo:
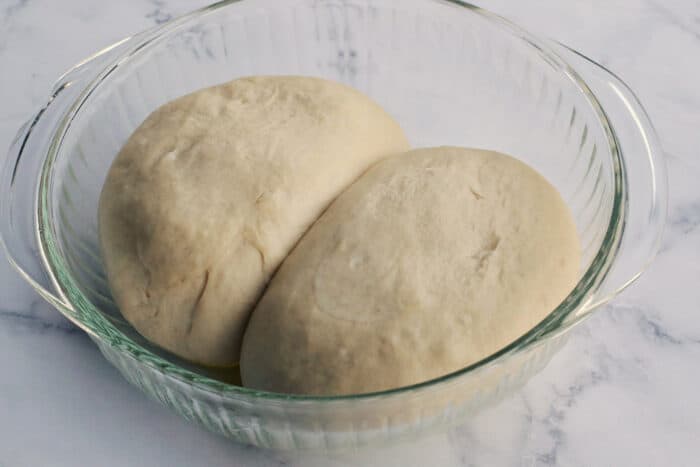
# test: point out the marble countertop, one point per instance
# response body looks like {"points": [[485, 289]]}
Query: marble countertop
{"points": [[620, 393]]}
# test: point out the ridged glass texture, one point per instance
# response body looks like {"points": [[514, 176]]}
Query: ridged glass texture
{"points": [[450, 75]]}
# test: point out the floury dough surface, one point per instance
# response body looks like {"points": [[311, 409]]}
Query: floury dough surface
{"points": [[429, 262], [213, 190]]}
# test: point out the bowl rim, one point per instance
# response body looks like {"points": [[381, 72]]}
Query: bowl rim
{"points": [[105, 332]]}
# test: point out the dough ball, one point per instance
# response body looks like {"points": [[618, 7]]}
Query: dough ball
{"points": [[431, 261], [213, 190]]}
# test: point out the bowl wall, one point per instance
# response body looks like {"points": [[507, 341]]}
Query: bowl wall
{"points": [[451, 75]]}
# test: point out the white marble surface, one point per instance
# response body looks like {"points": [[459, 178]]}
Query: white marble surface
{"points": [[623, 392]]}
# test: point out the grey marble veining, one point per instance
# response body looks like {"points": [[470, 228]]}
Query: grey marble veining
{"points": [[159, 13], [622, 392]]}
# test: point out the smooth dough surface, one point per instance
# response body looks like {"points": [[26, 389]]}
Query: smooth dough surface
{"points": [[213, 190], [429, 262]]}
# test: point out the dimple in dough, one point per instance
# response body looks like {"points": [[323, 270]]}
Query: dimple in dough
{"points": [[429, 262], [213, 190]]}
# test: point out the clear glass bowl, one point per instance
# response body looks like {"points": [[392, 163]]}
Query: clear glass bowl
{"points": [[449, 72]]}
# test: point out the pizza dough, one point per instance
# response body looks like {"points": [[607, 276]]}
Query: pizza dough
{"points": [[213, 190], [431, 261]]}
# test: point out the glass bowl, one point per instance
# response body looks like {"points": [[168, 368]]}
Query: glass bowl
{"points": [[449, 72]]}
